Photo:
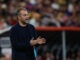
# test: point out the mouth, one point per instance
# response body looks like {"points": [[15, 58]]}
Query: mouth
{"points": [[27, 19]]}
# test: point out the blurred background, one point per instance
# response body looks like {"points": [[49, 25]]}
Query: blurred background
{"points": [[61, 45]]}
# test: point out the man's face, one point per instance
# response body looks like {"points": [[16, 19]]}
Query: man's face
{"points": [[23, 17]]}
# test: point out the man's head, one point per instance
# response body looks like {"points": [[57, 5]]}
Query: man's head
{"points": [[22, 15]]}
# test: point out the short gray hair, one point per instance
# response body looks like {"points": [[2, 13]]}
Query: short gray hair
{"points": [[19, 9]]}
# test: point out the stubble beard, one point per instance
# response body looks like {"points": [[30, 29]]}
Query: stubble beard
{"points": [[25, 22]]}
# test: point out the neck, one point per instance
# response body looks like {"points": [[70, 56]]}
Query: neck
{"points": [[21, 24]]}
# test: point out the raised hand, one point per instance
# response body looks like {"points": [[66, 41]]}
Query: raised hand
{"points": [[41, 40]]}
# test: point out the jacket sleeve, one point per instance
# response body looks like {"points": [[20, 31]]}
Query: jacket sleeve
{"points": [[34, 34]]}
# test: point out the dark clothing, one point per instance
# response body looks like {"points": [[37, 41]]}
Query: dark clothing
{"points": [[20, 40], [0, 51]]}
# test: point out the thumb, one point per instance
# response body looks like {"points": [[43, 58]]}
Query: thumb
{"points": [[39, 37], [32, 38]]}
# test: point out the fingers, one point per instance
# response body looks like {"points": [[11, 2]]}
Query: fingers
{"points": [[44, 40], [41, 41]]}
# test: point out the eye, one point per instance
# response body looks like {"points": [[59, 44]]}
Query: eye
{"points": [[25, 15]]}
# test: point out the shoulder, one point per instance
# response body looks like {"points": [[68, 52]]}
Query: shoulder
{"points": [[30, 25], [14, 27]]}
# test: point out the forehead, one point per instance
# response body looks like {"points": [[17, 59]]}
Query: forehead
{"points": [[24, 12]]}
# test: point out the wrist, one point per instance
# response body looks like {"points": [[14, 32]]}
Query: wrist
{"points": [[36, 41], [33, 42]]}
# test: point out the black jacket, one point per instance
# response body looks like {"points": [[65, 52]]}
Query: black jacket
{"points": [[20, 40]]}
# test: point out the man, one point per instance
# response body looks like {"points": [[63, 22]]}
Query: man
{"points": [[23, 38]]}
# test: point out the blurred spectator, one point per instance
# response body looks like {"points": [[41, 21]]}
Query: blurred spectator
{"points": [[8, 20], [68, 58], [14, 20], [78, 55], [36, 20], [70, 6], [62, 2], [7, 56], [48, 56], [55, 5], [75, 22], [2, 57], [39, 57], [29, 6], [47, 3], [3, 25], [52, 12]]}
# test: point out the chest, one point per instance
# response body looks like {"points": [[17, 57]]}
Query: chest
{"points": [[23, 33]]}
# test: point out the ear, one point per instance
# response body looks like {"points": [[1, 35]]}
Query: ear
{"points": [[18, 17]]}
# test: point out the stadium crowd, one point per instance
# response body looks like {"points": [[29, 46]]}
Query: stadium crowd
{"points": [[42, 12], [56, 13]]}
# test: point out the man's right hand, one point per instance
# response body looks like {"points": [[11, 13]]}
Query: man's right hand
{"points": [[39, 40]]}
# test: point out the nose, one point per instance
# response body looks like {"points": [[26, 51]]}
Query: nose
{"points": [[27, 16]]}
